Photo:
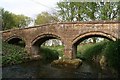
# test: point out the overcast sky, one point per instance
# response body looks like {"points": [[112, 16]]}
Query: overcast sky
{"points": [[28, 7]]}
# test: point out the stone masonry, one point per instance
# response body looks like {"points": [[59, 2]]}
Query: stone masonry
{"points": [[70, 33]]}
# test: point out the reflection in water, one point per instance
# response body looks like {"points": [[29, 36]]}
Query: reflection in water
{"points": [[37, 69]]}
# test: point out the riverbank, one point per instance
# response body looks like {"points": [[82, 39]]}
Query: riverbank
{"points": [[106, 54]]}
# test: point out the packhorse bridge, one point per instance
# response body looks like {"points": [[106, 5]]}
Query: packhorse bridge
{"points": [[71, 34]]}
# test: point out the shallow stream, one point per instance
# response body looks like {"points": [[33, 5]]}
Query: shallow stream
{"points": [[39, 69]]}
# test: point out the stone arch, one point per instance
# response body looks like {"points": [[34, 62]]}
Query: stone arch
{"points": [[84, 36], [90, 34], [45, 37], [37, 41], [15, 40]]}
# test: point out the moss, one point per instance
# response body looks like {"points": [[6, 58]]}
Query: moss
{"points": [[63, 63]]}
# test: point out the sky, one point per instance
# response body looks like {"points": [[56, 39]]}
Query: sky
{"points": [[29, 7]]}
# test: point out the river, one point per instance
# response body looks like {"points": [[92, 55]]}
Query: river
{"points": [[39, 69]]}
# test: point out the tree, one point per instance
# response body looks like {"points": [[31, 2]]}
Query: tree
{"points": [[108, 10], [85, 11], [44, 18], [7, 20], [118, 10], [21, 20], [10, 20], [1, 19]]}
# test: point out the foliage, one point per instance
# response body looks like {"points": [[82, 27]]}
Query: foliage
{"points": [[21, 20], [59, 49], [87, 11], [7, 20], [12, 54], [10, 20], [118, 9], [89, 50], [112, 54], [45, 17], [49, 54], [109, 49]]}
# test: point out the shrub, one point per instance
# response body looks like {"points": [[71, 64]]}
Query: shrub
{"points": [[49, 54], [112, 53], [110, 49], [12, 54], [92, 50]]}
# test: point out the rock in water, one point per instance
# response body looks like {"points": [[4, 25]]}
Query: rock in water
{"points": [[74, 63]]}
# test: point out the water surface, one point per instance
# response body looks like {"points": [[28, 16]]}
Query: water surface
{"points": [[38, 69]]}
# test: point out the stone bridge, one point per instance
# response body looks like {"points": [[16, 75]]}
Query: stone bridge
{"points": [[70, 33]]}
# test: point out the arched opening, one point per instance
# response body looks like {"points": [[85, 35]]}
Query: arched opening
{"points": [[16, 41], [13, 51], [49, 47], [88, 40], [100, 55]]}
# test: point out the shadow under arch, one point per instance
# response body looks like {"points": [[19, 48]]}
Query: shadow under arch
{"points": [[16, 40], [82, 37]]}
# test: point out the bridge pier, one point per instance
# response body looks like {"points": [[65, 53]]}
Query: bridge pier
{"points": [[74, 51], [70, 52], [32, 51]]}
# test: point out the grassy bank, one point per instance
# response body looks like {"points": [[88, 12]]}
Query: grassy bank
{"points": [[108, 49]]}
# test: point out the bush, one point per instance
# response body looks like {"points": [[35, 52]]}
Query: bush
{"points": [[112, 54], [92, 50], [59, 49], [49, 54], [110, 49], [12, 54]]}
